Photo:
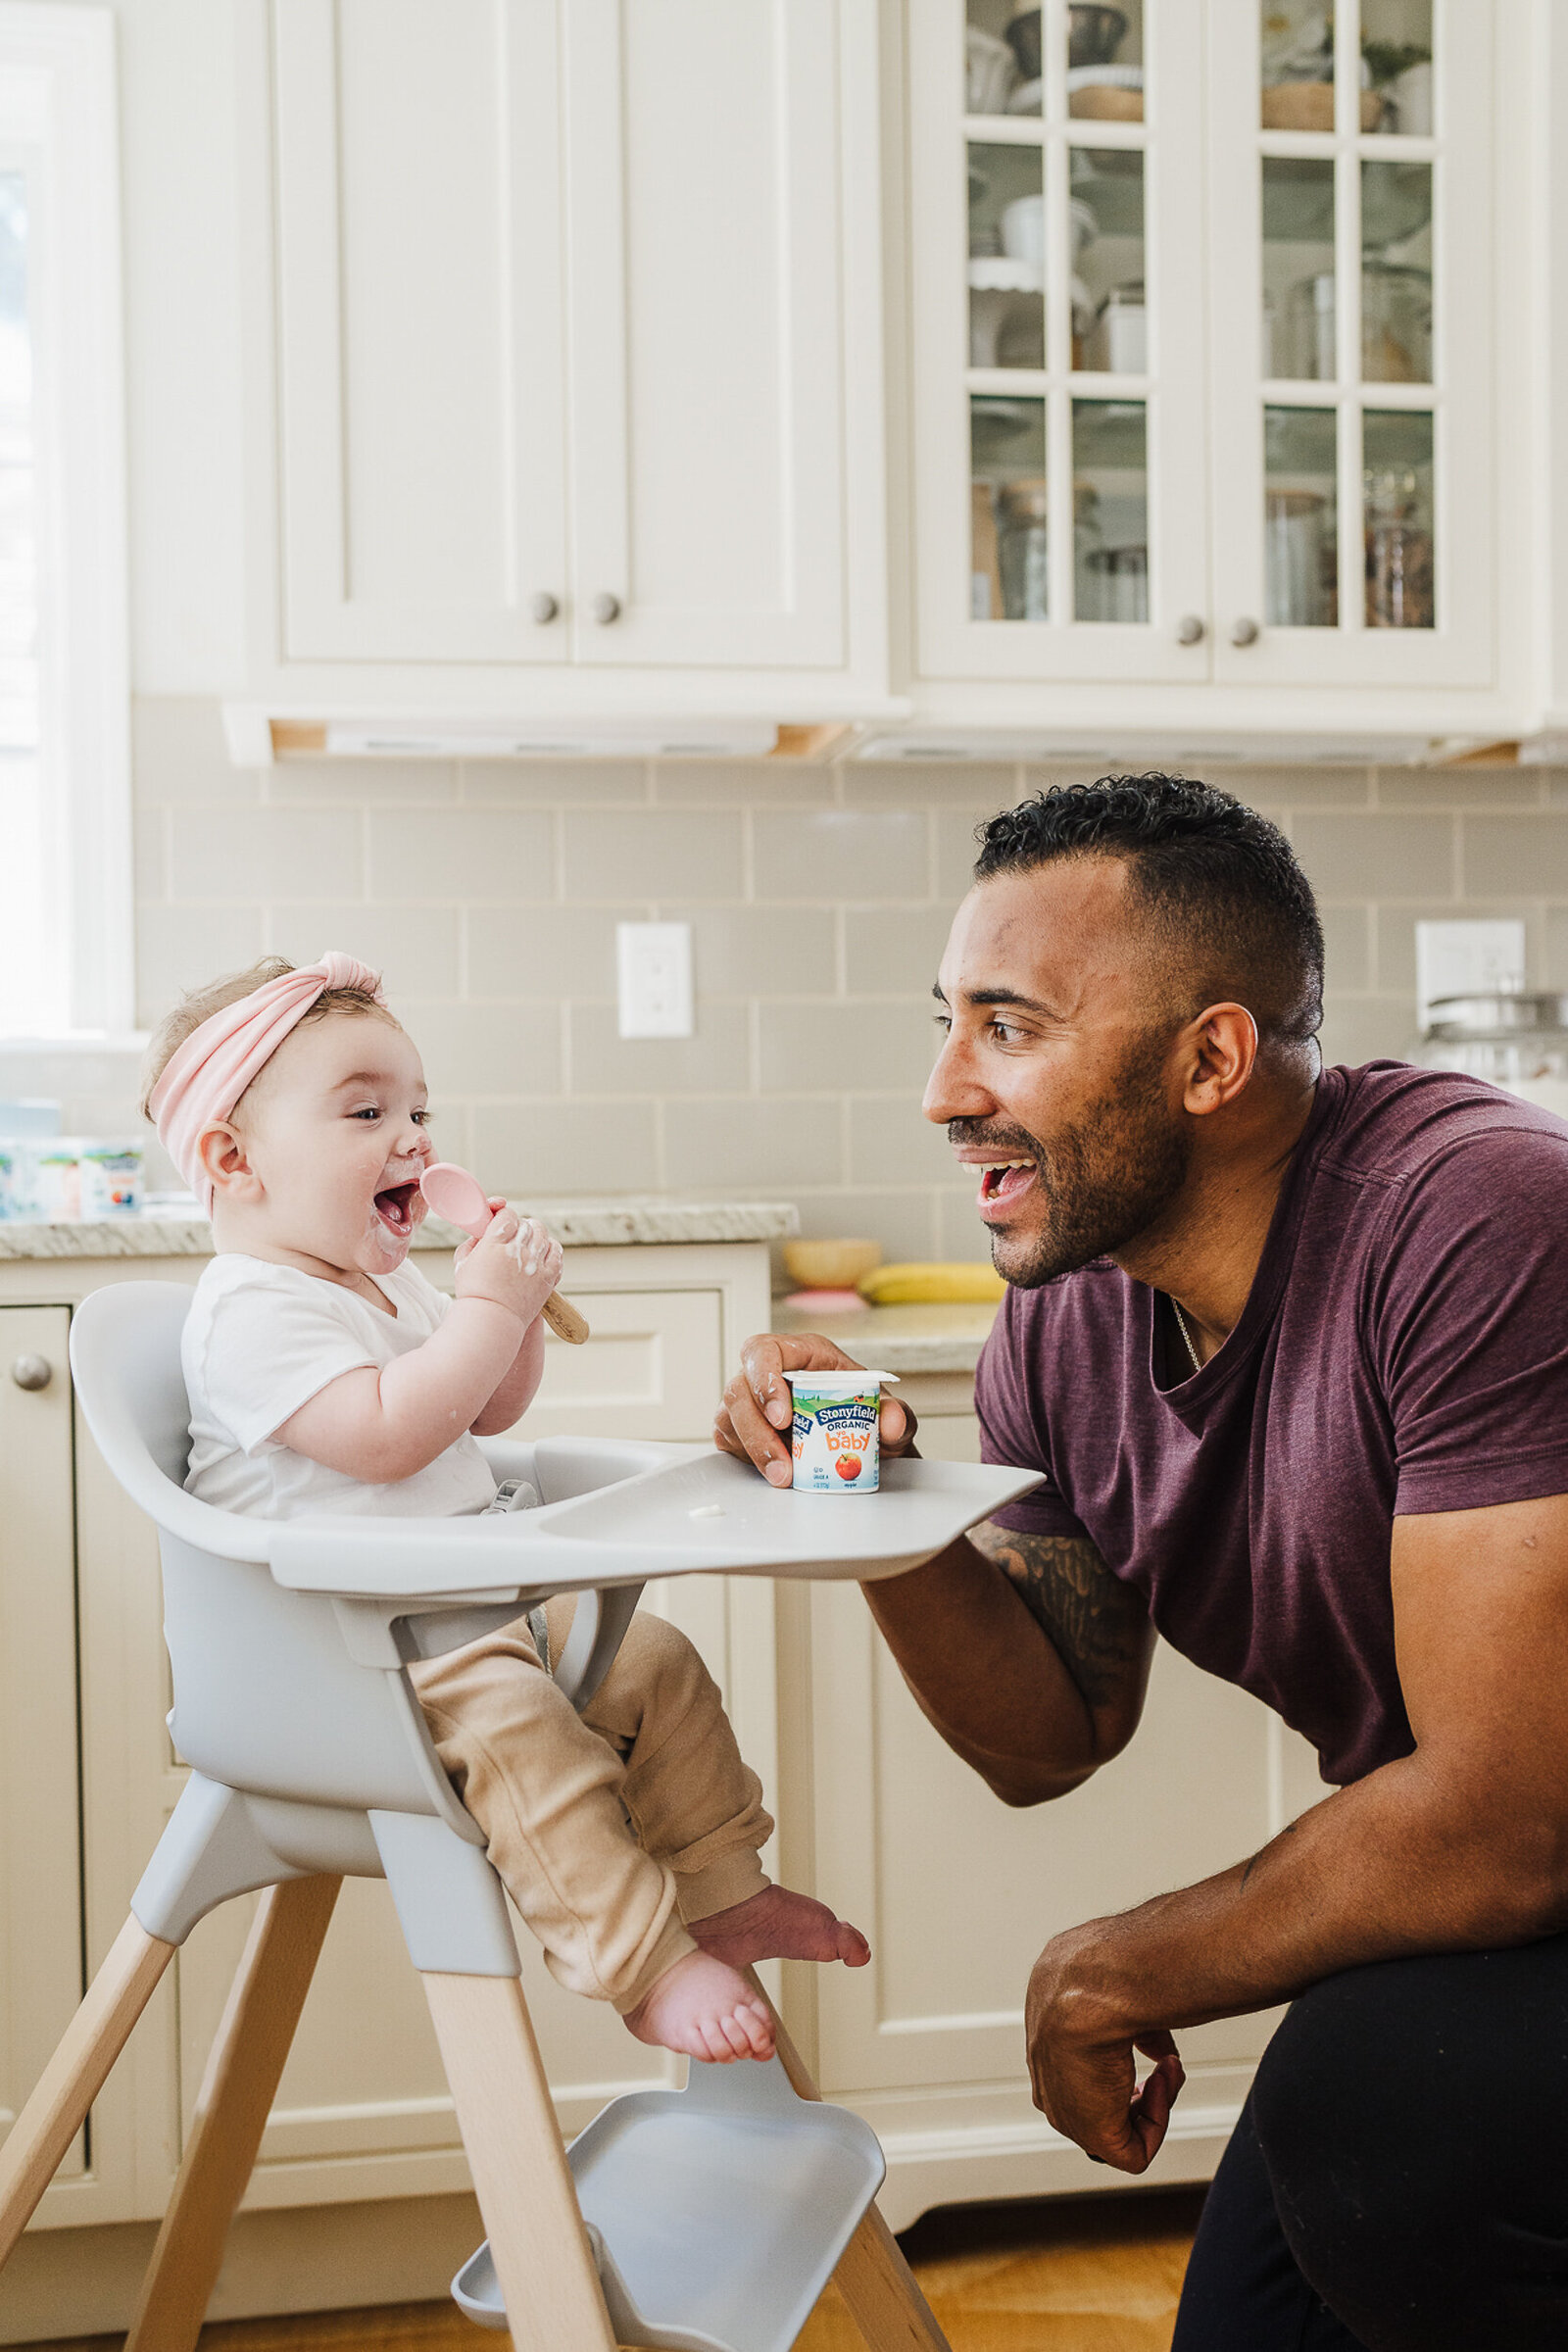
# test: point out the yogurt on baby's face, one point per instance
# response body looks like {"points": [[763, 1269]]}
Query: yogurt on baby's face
{"points": [[836, 1447]]}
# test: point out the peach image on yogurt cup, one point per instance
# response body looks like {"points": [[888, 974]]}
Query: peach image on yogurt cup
{"points": [[835, 1445]]}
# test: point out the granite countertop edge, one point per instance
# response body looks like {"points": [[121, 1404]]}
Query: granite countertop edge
{"points": [[906, 1339], [637, 1221]]}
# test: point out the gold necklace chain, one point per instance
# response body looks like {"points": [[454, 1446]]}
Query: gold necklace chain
{"points": [[1181, 1325]]}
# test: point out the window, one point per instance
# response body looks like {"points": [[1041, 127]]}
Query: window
{"points": [[65, 814]]}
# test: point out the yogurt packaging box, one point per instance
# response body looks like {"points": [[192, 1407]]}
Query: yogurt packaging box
{"points": [[109, 1180], [836, 1447]]}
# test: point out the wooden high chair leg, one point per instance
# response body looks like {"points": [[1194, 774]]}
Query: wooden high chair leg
{"points": [[876, 2282], [247, 2058], [538, 2245], [77, 2073]]}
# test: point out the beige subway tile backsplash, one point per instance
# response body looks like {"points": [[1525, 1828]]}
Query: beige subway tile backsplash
{"points": [[869, 1045], [542, 950], [842, 854], [1377, 856], [819, 900], [654, 854], [251, 854], [760, 1145], [417, 950], [181, 947], [761, 950], [716, 1060], [1516, 857], [485, 1049], [887, 948], [554, 1148], [463, 854]]}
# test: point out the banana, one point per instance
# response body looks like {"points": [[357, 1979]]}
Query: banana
{"points": [[946, 1285]]}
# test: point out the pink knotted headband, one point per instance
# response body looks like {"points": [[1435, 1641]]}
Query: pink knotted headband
{"points": [[205, 1077]]}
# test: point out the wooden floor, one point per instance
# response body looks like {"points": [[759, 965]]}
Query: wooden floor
{"points": [[1072, 2275]]}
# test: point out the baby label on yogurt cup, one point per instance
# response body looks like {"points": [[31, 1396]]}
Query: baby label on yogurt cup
{"points": [[836, 1447]]}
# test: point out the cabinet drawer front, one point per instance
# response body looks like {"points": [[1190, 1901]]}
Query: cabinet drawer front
{"points": [[653, 1368], [40, 1869]]}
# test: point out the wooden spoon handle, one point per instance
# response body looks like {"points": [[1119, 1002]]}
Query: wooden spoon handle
{"points": [[563, 1319]]}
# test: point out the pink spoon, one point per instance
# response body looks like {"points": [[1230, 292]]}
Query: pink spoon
{"points": [[457, 1195]]}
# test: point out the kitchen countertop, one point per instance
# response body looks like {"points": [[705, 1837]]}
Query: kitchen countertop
{"points": [[602, 1224], [901, 1339]]}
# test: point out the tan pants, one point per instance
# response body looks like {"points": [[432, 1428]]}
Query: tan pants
{"points": [[613, 1828]]}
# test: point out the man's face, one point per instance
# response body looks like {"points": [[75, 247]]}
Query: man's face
{"points": [[1059, 1060]]}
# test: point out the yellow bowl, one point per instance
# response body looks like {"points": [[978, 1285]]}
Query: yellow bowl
{"points": [[830, 1265]]}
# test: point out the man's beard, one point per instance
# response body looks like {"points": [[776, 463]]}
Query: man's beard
{"points": [[1102, 1182]]}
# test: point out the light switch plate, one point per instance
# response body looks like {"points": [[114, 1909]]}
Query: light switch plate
{"points": [[1468, 959], [653, 977]]}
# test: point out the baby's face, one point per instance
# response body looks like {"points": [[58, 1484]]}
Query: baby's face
{"points": [[335, 1128]]}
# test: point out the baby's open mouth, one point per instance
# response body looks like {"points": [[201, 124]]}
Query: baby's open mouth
{"points": [[396, 1209]]}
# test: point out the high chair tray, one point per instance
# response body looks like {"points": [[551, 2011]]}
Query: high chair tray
{"points": [[617, 1514], [717, 2213]]}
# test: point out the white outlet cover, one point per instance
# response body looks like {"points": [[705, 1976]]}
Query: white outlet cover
{"points": [[654, 979], [1468, 959]]}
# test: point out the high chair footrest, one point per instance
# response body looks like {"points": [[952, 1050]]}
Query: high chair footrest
{"points": [[717, 2213]]}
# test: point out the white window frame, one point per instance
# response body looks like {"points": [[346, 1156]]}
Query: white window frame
{"points": [[59, 116]]}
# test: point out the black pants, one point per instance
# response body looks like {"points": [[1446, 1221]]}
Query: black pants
{"points": [[1399, 2178]]}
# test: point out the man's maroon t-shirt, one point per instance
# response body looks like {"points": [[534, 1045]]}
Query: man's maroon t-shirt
{"points": [[1403, 1349]]}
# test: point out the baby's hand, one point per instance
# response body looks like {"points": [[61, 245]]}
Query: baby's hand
{"points": [[516, 1263]]}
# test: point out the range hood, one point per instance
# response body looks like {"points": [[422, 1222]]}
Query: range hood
{"points": [[256, 738]]}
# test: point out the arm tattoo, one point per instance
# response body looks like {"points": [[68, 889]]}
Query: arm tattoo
{"points": [[1093, 1621]]}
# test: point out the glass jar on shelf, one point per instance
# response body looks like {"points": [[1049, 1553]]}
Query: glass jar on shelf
{"points": [[1396, 323], [1397, 497], [1023, 549]]}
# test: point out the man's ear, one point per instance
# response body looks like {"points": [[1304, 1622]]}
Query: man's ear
{"points": [[222, 1151], [1225, 1055]]}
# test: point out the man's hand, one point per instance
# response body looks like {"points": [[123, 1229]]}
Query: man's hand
{"points": [[1083, 2068], [754, 1421]]}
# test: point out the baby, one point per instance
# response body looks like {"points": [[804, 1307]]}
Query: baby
{"points": [[326, 1374]]}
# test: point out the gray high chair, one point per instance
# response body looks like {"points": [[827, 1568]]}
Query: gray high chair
{"points": [[709, 2218]]}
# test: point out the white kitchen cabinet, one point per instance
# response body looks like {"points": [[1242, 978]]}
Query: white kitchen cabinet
{"points": [[41, 1848], [957, 1893], [1205, 367], [362, 2113], [421, 330], [561, 300]]}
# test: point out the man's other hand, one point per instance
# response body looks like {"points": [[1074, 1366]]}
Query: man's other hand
{"points": [[754, 1419], [1083, 2064]]}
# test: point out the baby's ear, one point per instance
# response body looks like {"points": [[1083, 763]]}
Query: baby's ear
{"points": [[221, 1153]]}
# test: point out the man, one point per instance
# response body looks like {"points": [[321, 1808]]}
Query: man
{"points": [[1291, 1347]]}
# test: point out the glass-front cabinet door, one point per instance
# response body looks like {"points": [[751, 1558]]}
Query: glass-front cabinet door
{"points": [[1352, 293], [1200, 296], [1057, 304]]}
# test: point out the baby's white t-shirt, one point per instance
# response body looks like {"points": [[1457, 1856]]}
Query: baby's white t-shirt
{"points": [[263, 1340]]}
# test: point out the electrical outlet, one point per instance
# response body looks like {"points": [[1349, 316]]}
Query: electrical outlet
{"points": [[1467, 959], [654, 978]]}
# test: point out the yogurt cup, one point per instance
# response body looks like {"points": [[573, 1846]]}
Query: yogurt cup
{"points": [[835, 1443]]}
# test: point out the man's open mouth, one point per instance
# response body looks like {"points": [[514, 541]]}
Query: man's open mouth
{"points": [[1003, 1180], [397, 1210]]}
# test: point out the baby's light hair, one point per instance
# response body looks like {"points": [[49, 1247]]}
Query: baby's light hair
{"points": [[198, 1005]]}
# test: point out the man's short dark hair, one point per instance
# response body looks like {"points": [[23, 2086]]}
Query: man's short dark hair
{"points": [[1218, 881]]}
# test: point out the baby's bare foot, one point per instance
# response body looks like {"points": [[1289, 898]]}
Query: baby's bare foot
{"points": [[702, 2008], [776, 1923]]}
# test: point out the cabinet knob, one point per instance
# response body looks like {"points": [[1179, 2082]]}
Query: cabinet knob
{"points": [[543, 608], [1190, 629], [33, 1371], [1246, 632], [604, 608]]}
